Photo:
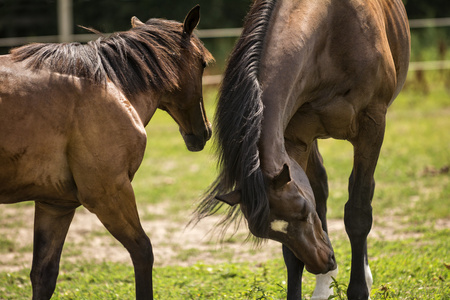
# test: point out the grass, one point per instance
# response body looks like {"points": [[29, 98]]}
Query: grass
{"points": [[406, 269], [6, 245], [413, 191]]}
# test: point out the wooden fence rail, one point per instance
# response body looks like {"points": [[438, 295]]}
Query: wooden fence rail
{"points": [[66, 36]]}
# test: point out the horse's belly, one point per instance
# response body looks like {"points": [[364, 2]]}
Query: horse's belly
{"points": [[33, 145], [35, 173], [36, 187], [336, 119]]}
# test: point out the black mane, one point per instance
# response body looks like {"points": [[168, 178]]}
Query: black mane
{"points": [[135, 60], [238, 125]]}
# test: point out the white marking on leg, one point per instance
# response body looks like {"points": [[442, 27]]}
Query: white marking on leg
{"points": [[279, 226], [368, 275], [323, 282]]}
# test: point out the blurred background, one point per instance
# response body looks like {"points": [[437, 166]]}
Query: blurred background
{"points": [[24, 21]]}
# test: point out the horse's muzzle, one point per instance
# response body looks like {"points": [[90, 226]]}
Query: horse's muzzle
{"points": [[195, 142]]}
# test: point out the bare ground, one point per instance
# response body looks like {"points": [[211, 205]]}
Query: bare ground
{"points": [[173, 242]]}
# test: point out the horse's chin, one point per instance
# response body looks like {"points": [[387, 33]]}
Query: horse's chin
{"points": [[325, 261], [193, 142], [323, 268], [196, 142]]}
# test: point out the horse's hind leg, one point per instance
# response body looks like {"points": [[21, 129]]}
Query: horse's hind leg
{"points": [[318, 179], [358, 210], [116, 209], [51, 224]]}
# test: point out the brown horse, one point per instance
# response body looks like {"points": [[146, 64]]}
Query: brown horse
{"points": [[304, 70], [72, 121]]}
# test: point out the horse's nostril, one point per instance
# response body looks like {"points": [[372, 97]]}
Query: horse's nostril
{"points": [[332, 261]]}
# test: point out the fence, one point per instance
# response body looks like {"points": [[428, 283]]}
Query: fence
{"points": [[66, 35]]}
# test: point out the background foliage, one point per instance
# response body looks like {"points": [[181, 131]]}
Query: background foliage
{"points": [[38, 17], [20, 18]]}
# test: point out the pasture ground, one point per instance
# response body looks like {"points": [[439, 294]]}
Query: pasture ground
{"points": [[409, 246]]}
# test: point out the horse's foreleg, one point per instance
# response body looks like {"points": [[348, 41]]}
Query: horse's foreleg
{"points": [[119, 215], [312, 162], [294, 272], [318, 178], [358, 210], [51, 224]]}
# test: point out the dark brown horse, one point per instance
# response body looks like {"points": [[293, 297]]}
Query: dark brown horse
{"points": [[72, 133], [304, 70]]}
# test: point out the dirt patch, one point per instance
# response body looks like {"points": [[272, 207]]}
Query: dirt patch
{"points": [[173, 242]]}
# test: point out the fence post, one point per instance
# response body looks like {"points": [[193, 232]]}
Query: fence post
{"points": [[65, 21]]}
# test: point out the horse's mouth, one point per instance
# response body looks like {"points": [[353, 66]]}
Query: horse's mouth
{"points": [[328, 264], [194, 142], [318, 256]]}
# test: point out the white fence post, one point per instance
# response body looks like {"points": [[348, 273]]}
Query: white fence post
{"points": [[65, 21]]}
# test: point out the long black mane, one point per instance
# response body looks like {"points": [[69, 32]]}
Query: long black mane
{"points": [[238, 125], [135, 60]]}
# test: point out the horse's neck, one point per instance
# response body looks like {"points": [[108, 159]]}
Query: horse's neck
{"points": [[145, 104], [272, 151], [286, 71]]}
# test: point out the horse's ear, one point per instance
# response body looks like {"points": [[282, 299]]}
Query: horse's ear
{"points": [[282, 178], [135, 22], [192, 19], [231, 199]]}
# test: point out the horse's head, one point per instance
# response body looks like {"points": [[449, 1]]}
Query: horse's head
{"points": [[293, 220], [185, 102]]}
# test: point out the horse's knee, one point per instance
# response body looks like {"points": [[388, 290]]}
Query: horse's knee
{"points": [[148, 252], [142, 253], [358, 221]]}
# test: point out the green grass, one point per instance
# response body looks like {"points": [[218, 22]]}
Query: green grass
{"points": [[406, 269], [5, 244], [413, 189]]}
